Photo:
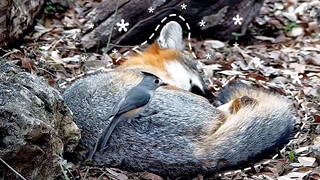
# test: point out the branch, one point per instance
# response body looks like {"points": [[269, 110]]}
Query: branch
{"points": [[12, 169]]}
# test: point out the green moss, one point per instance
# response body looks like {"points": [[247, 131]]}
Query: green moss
{"points": [[289, 26], [291, 156], [236, 35], [49, 8]]}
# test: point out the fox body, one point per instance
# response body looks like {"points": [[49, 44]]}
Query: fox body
{"points": [[180, 133]]}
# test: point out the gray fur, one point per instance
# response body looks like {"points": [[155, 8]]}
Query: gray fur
{"points": [[136, 99], [166, 134]]}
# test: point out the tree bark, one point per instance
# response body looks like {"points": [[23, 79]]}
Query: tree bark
{"points": [[15, 18], [217, 14]]}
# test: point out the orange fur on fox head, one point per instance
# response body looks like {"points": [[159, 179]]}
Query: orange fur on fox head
{"points": [[167, 60]]}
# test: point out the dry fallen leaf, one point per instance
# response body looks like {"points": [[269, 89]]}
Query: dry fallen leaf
{"points": [[151, 176], [301, 149], [29, 64], [116, 174], [306, 161], [229, 73], [214, 44], [56, 57], [293, 175], [264, 38], [316, 118]]}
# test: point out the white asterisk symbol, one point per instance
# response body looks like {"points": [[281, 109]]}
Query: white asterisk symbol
{"points": [[90, 25], [208, 56], [84, 57], [150, 9], [256, 62], [237, 19], [114, 52], [183, 6], [122, 25], [235, 45], [296, 78], [202, 23]]}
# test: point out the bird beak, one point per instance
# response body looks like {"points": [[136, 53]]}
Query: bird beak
{"points": [[163, 84]]}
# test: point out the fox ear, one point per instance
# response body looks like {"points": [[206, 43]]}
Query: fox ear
{"points": [[171, 36]]}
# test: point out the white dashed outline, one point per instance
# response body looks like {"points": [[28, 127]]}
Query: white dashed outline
{"points": [[62, 85], [157, 28], [282, 151]]}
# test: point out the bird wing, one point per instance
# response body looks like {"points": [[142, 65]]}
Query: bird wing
{"points": [[136, 98], [116, 108]]}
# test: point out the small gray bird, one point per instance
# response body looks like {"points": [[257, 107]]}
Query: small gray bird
{"points": [[132, 104]]}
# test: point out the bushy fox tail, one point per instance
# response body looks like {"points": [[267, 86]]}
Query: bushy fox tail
{"points": [[252, 122], [232, 91]]}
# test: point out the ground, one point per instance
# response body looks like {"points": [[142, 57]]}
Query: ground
{"points": [[280, 52]]}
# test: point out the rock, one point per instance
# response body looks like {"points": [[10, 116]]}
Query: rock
{"points": [[17, 17], [36, 127]]}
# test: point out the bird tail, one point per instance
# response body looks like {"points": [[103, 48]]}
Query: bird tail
{"points": [[104, 138]]}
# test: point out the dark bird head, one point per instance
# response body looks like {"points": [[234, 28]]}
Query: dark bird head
{"points": [[151, 81]]}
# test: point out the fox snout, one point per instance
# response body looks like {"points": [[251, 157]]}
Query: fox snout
{"points": [[205, 92]]}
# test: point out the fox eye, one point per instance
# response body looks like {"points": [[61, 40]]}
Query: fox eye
{"points": [[157, 81]]}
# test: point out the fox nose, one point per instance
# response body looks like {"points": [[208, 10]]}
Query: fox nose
{"points": [[205, 92]]}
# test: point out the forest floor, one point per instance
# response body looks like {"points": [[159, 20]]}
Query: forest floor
{"points": [[281, 52]]}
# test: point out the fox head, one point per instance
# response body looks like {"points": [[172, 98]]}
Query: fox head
{"points": [[167, 59]]}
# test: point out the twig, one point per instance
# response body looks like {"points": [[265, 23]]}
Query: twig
{"points": [[12, 169], [64, 172], [70, 173], [47, 71], [104, 173], [11, 52], [87, 171]]}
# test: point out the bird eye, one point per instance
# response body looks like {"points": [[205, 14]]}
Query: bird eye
{"points": [[156, 81]]}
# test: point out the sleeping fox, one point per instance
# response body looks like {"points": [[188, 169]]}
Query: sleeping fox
{"points": [[180, 133], [167, 60]]}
